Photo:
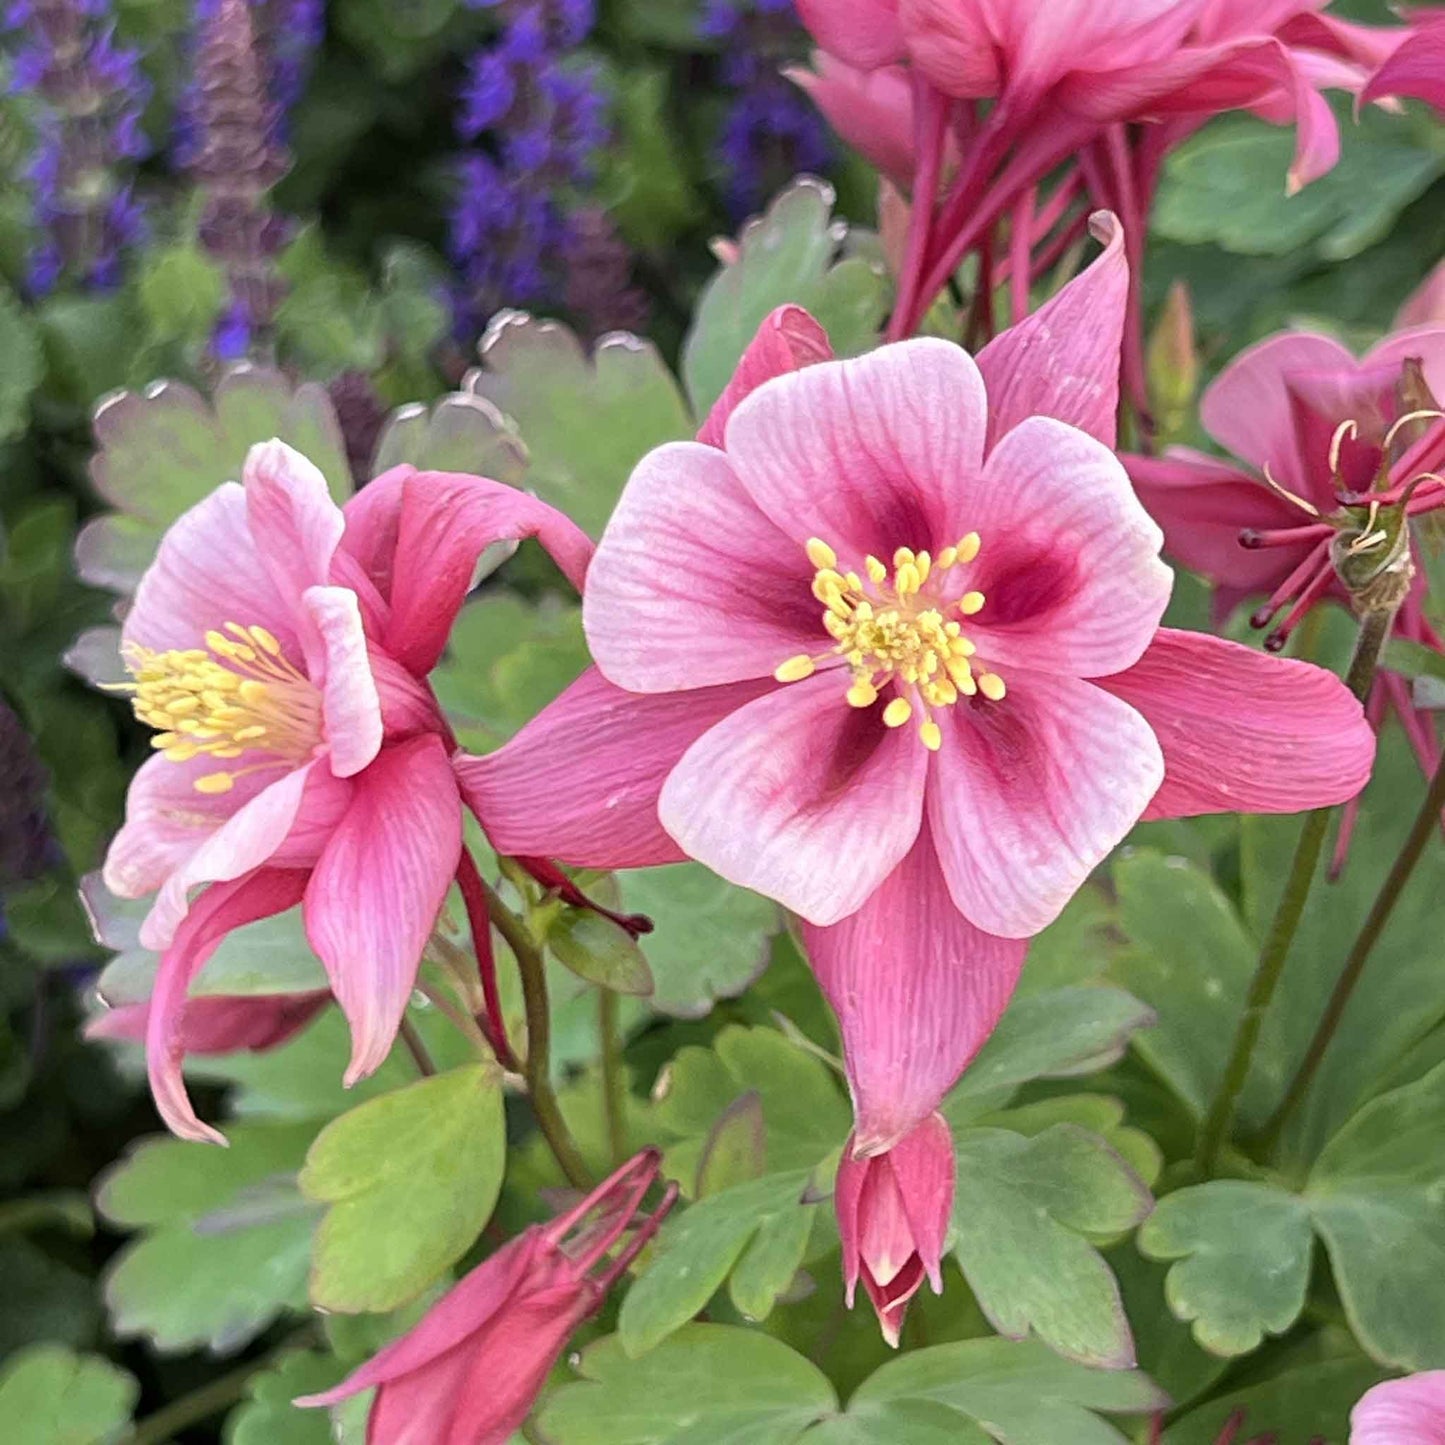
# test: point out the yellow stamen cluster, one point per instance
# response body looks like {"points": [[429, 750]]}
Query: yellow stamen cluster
{"points": [[237, 694], [897, 627]]}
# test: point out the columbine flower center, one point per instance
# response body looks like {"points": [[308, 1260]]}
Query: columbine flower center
{"points": [[235, 695], [900, 627]]}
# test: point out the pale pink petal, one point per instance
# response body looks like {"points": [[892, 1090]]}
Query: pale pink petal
{"points": [[1203, 504], [801, 797], [957, 43], [580, 782], [350, 704], [1070, 567], [1416, 69], [1425, 306], [378, 887], [1063, 360], [916, 988], [419, 535], [1247, 411], [871, 110], [1245, 732], [922, 1164], [864, 33], [207, 572], [293, 519], [417, 1409], [869, 455], [787, 339], [1424, 343], [225, 907], [1401, 1412], [1028, 795], [692, 585], [254, 834]]}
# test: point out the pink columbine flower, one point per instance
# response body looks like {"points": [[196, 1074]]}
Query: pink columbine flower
{"points": [[890, 655], [1401, 1412], [219, 1024], [470, 1372], [280, 646], [1425, 305], [893, 1215], [1416, 68], [1316, 428]]}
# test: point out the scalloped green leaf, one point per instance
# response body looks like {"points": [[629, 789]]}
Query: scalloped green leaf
{"points": [[1243, 1253], [789, 254], [460, 433], [269, 1418], [411, 1179], [707, 1385], [1025, 1214], [586, 420], [51, 1396]]}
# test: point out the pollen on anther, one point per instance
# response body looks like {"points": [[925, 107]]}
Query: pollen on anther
{"points": [[932, 735], [876, 571], [795, 669], [968, 547], [897, 712], [991, 685], [862, 694], [820, 554], [970, 603], [214, 783]]}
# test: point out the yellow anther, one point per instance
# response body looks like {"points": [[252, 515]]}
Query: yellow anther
{"points": [[924, 563], [970, 603], [932, 735], [876, 571], [820, 554], [907, 581], [897, 712], [862, 694], [795, 669], [947, 558], [991, 685], [267, 641], [213, 783], [968, 547], [961, 647], [902, 557]]}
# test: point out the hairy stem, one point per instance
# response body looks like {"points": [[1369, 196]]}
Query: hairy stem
{"points": [[1369, 643], [614, 1081], [537, 1068], [1426, 821]]}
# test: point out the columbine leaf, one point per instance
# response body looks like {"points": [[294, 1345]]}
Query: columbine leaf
{"points": [[230, 1222], [411, 1178], [269, 1417], [1024, 1213], [461, 433], [789, 254], [1244, 1253], [586, 421], [708, 1385], [51, 1396], [21, 366]]}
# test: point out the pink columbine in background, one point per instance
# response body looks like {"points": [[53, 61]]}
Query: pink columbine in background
{"points": [[1316, 428], [280, 646], [1417, 67], [470, 1372], [1401, 1412], [893, 1214], [890, 654]]}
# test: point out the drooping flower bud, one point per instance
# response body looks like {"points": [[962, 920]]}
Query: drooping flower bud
{"points": [[893, 1213]]}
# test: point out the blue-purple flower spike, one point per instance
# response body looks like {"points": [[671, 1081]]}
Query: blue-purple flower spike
{"points": [[89, 94]]}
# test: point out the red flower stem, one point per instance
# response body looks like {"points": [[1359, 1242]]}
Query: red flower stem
{"points": [[474, 899], [1021, 235], [1413, 849], [930, 127], [416, 1048], [554, 880], [537, 1070], [1215, 1129]]}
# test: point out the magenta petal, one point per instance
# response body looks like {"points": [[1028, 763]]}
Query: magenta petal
{"points": [[293, 519], [218, 1025], [871, 454], [801, 797], [1401, 1412], [864, 33], [1416, 69], [1245, 732], [1029, 794], [923, 1167], [692, 585], [1070, 565], [378, 887], [1063, 360], [580, 782], [787, 339], [350, 704], [222, 908], [917, 990], [871, 110]]}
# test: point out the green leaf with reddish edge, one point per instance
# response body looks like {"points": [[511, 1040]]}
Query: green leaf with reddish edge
{"points": [[599, 951], [1025, 1215], [708, 1385], [1018, 1393], [789, 254], [1243, 1253], [230, 1222], [1098, 1113], [736, 1148], [52, 1396], [586, 420], [460, 433], [411, 1178]]}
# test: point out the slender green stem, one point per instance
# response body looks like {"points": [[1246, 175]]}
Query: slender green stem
{"points": [[614, 1080], [213, 1397], [1426, 821], [537, 1068], [418, 1050], [1214, 1131]]}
